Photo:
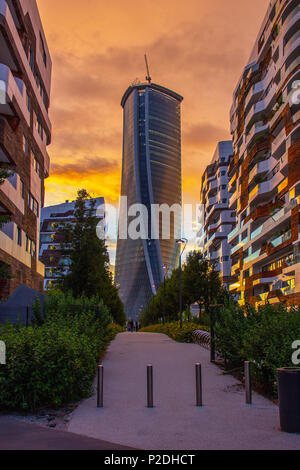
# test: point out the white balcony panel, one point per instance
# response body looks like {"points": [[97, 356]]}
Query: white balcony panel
{"points": [[9, 89]]}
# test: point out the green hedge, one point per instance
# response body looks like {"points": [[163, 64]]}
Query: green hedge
{"points": [[184, 335], [54, 362], [113, 330], [263, 337]]}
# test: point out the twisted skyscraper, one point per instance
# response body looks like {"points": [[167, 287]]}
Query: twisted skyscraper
{"points": [[151, 175]]}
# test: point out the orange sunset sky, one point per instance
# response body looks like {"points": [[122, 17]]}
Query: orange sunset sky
{"points": [[195, 47]]}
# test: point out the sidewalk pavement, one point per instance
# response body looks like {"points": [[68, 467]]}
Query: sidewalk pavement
{"points": [[18, 435], [175, 423]]}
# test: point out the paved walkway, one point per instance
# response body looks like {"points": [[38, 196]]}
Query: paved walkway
{"points": [[17, 435], [225, 422]]}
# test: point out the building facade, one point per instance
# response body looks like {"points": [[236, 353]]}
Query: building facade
{"points": [[51, 238], [264, 171], [25, 132], [151, 175], [217, 219]]}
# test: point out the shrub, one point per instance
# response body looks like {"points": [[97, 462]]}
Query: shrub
{"points": [[113, 330], [173, 330], [263, 337], [54, 361]]}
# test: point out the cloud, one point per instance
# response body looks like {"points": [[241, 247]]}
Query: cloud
{"points": [[198, 48], [203, 135], [85, 166]]}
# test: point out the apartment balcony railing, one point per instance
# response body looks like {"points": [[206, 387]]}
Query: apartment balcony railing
{"points": [[291, 20], [232, 234], [292, 66], [235, 268], [256, 129], [261, 105], [6, 14], [252, 257], [295, 259], [216, 236], [283, 185], [266, 187], [241, 242], [256, 232], [281, 238], [256, 89], [236, 248], [211, 202], [290, 43], [260, 167], [232, 183], [233, 199], [279, 139], [292, 47]]}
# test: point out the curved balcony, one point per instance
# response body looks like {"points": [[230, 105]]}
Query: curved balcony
{"points": [[261, 105], [293, 17], [290, 43], [291, 64], [261, 190], [260, 168], [10, 89], [254, 92], [7, 22]]}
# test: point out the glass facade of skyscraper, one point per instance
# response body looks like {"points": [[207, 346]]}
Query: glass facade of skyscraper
{"points": [[151, 174]]}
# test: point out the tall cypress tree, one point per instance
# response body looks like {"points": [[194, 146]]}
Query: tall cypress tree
{"points": [[89, 272]]}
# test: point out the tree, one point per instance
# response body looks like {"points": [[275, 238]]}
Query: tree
{"points": [[201, 283], [87, 258]]}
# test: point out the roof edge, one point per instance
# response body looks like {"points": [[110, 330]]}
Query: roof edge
{"points": [[154, 86]]}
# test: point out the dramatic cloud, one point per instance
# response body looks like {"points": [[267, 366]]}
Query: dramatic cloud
{"points": [[85, 165], [196, 47]]}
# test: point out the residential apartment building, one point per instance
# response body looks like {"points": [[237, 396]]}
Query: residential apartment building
{"points": [[264, 171], [217, 219], [25, 132], [51, 238]]}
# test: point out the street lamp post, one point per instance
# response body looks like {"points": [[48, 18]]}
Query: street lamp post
{"points": [[181, 241], [212, 314], [164, 306]]}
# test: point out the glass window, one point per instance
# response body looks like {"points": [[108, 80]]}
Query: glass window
{"points": [[25, 146], [23, 189], [19, 237], [28, 102]]}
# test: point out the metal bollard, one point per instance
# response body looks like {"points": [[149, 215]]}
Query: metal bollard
{"points": [[150, 386], [199, 401], [248, 385], [100, 387]]}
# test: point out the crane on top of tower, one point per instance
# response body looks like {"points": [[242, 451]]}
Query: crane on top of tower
{"points": [[148, 78]]}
